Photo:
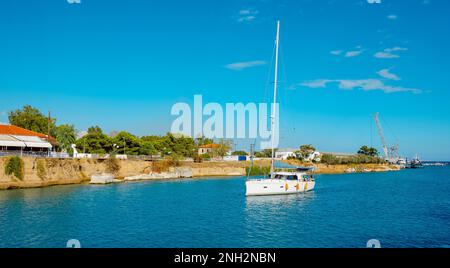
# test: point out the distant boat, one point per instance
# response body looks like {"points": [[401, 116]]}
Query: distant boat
{"points": [[415, 163], [285, 180]]}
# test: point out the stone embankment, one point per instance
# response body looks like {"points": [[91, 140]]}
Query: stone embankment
{"points": [[39, 172]]}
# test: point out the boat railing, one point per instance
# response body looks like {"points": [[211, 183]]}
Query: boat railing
{"points": [[295, 169]]}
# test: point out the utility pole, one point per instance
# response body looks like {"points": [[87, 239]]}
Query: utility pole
{"points": [[48, 130], [48, 124], [124, 146]]}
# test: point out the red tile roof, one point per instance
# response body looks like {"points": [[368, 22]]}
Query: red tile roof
{"points": [[210, 146], [15, 130]]}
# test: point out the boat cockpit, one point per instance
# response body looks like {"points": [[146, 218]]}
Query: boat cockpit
{"points": [[293, 177]]}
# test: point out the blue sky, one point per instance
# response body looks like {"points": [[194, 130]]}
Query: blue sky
{"points": [[123, 64]]}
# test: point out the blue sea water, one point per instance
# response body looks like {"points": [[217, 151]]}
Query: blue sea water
{"points": [[410, 208]]}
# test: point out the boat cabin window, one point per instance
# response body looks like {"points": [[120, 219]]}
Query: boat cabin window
{"points": [[286, 177]]}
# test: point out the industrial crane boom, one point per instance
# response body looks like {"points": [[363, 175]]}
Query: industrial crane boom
{"points": [[376, 117]]}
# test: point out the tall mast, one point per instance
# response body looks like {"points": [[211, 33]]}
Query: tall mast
{"points": [[275, 86]]}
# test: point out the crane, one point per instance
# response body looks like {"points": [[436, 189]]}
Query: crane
{"points": [[376, 117]]}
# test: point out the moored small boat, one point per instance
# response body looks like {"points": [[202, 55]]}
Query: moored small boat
{"points": [[281, 183], [415, 163]]}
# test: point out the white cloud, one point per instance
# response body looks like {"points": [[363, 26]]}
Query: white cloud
{"points": [[363, 84], [246, 15], [396, 49], [336, 52], [385, 55], [392, 17], [348, 54], [319, 83], [239, 66], [388, 53], [74, 1], [351, 54], [385, 73]]}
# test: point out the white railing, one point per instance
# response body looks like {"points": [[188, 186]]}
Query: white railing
{"points": [[78, 156], [34, 154]]}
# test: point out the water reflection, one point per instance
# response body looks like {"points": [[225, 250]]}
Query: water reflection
{"points": [[29, 196], [267, 218], [280, 201]]}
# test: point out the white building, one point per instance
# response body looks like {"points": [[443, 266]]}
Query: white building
{"points": [[285, 153], [17, 140]]}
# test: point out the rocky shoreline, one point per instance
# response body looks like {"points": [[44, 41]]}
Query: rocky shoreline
{"points": [[40, 172]]}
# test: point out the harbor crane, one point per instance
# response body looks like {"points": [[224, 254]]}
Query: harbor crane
{"points": [[376, 117], [391, 153]]}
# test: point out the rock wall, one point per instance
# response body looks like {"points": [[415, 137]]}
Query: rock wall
{"points": [[218, 171], [45, 172], [65, 171], [75, 171]]}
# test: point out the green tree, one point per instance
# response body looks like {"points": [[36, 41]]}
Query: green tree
{"points": [[127, 143], [32, 119], [203, 141], [240, 153], [305, 151], [223, 148], [94, 143], [95, 130], [266, 153], [184, 146], [369, 151], [172, 144], [147, 148], [329, 159], [259, 155], [66, 136]]}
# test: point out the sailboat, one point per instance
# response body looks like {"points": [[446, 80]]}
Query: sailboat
{"points": [[281, 181]]}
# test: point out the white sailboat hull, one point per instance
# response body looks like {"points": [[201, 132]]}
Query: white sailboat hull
{"points": [[277, 187]]}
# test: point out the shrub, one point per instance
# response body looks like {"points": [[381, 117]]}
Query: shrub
{"points": [[174, 160], [15, 166], [206, 156], [257, 170], [112, 165], [240, 153], [198, 158], [160, 166], [40, 167], [354, 159]]}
